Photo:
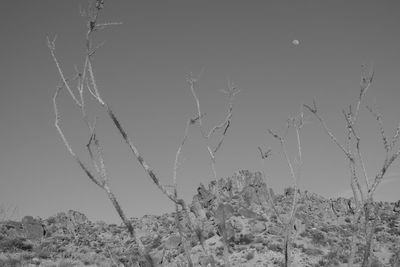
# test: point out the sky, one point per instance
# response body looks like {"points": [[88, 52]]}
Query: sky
{"points": [[142, 72]]}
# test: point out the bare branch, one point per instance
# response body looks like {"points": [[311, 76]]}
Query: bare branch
{"points": [[327, 131], [275, 135], [378, 117], [89, 148], [94, 50], [90, 90], [52, 48], [103, 25], [365, 83], [395, 137], [297, 124], [265, 155], [350, 126], [231, 92], [188, 123], [141, 160], [379, 177], [93, 82], [192, 81]]}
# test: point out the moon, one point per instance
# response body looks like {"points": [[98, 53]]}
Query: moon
{"points": [[295, 42]]}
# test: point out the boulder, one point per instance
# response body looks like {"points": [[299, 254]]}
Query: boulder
{"points": [[396, 206], [172, 242], [257, 227], [33, 228], [77, 217], [12, 229]]}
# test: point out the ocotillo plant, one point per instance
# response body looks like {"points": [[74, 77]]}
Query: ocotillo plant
{"points": [[297, 124], [363, 190], [221, 128], [86, 80]]}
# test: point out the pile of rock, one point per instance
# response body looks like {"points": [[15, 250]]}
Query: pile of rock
{"points": [[236, 209]]}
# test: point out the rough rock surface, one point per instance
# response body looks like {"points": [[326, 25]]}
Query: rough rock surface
{"points": [[235, 208], [33, 228]]}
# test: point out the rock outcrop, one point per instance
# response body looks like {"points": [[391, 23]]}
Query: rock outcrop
{"points": [[235, 210]]}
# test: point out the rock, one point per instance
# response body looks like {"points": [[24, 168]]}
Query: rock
{"points": [[77, 217], [223, 213], [247, 213], [257, 227], [396, 206], [289, 191], [12, 229], [299, 226], [33, 228], [197, 208], [172, 242], [157, 257], [237, 225], [246, 239], [205, 197]]}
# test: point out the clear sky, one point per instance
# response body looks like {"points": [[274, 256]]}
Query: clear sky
{"points": [[141, 72]]}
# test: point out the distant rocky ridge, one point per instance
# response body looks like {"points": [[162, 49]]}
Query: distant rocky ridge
{"points": [[322, 232]]}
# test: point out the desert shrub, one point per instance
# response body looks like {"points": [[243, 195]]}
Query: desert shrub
{"points": [[273, 218], [67, 263], [324, 262], [10, 262], [375, 263], [392, 223], [317, 237], [395, 259], [14, 244], [43, 254], [394, 231], [275, 247], [312, 251], [250, 255], [296, 245], [333, 258], [156, 242], [246, 239], [303, 234], [51, 220], [325, 228]]}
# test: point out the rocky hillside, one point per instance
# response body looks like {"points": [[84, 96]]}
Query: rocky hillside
{"points": [[254, 236]]}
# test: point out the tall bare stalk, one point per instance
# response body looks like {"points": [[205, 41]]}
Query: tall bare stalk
{"points": [[221, 128], [86, 80], [100, 176], [297, 123]]}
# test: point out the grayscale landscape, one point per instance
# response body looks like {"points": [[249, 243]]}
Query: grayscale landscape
{"points": [[200, 133]]}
